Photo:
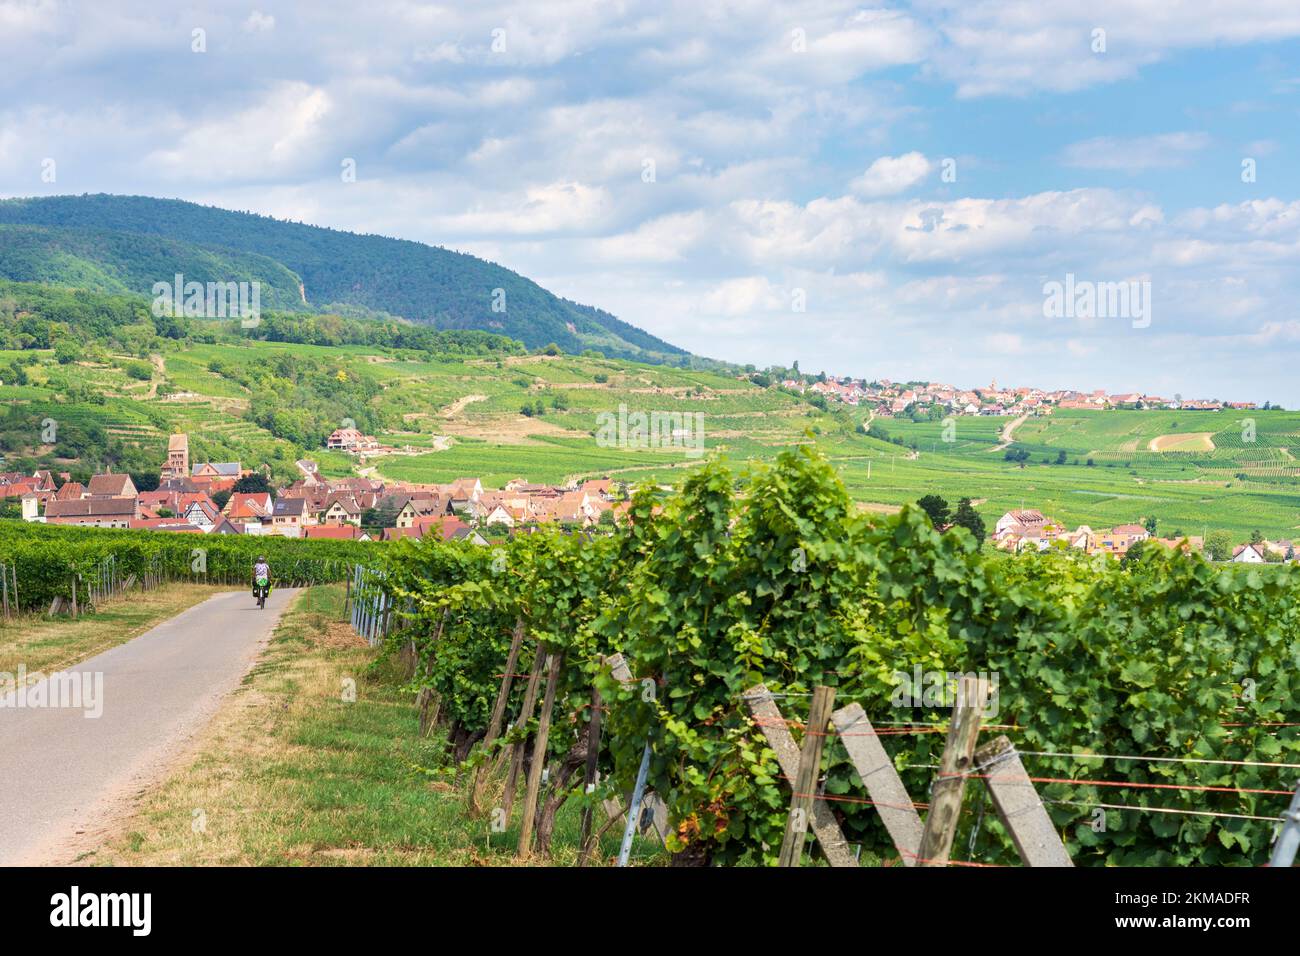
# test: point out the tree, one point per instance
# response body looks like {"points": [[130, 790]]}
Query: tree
{"points": [[67, 351], [142, 371], [1150, 525], [1060, 457], [937, 508], [145, 480], [967, 517], [254, 484], [378, 518], [1256, 537], [1218, 546], [1133, 555]]}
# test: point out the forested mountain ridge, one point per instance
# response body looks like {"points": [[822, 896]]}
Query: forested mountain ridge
{"points": [[426, 284], [123, 263]]}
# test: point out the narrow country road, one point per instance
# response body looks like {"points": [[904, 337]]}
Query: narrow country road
{"points": [[1008, 430], [61, 771]]}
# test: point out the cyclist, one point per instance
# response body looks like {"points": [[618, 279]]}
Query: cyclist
{"points": [[261, 579]]}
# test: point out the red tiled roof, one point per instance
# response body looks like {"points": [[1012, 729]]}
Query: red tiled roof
{"points": [[110, 485], [345, 532], [90, 507]]}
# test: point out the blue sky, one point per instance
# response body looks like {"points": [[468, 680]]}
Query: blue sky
{"points": [[798, 153]]}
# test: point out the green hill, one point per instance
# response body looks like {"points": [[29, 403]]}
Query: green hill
{"points": [[116, 380], [120, 262], [127, 243]]}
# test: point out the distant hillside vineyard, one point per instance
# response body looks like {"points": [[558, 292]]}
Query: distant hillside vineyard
{"points": [[127, 243]]}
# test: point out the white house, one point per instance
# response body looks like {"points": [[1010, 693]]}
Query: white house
{"points": [[1248, 554]]}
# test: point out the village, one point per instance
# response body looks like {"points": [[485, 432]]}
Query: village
{"points": [[888, 399], [206, 499], [215, 498], [1028, 529]]}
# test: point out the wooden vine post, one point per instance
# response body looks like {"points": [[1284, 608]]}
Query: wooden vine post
{"points": [[1019, 807], [958, 760], [517, 747], [427, 700], [884, 786], [498, 714], [650, 809], [538, 763], [589, 774], [805, 782], [767, 715]]}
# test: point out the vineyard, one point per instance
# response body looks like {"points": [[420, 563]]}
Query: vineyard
{"points": [[45, 562], [1153, 702]]}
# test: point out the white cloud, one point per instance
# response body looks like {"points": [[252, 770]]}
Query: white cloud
{"points": [[743, 296], [662, 240], [534, 156], [1270, 333], [994, 47], [445, 52], [282, 133], [866, 40], [1005, 343], [259, 22], [1135, 155], [550, 208], [890, 175]]}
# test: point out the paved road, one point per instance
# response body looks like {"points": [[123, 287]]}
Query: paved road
{"points": [[60, 770]]}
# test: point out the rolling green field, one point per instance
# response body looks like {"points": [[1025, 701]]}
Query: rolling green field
{"points": [[458, 417], [1243, 484]]}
